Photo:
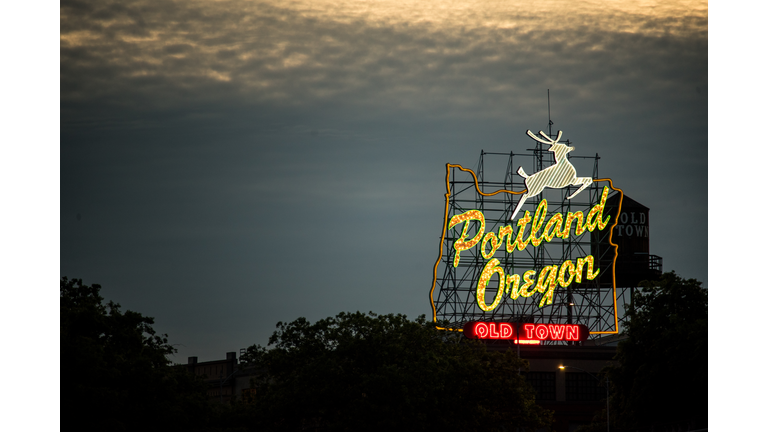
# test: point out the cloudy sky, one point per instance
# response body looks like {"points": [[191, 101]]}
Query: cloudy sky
{"points": [[226, 165]]}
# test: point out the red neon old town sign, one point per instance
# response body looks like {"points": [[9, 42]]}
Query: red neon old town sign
{"points": [[525, 333]]}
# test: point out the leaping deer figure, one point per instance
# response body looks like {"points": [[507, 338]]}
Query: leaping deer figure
{"points": [[557, 176]]}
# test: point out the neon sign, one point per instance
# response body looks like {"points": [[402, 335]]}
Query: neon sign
{"points": [[468, 231], [527, 332], [550, 277]]}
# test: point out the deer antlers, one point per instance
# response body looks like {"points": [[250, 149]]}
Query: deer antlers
{"points": [[546, 137]]}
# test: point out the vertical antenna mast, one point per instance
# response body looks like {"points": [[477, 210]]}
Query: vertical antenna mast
{"points": [[549, 115]]}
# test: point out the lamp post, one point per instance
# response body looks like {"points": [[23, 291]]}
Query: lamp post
{"points": [[607, 401]]}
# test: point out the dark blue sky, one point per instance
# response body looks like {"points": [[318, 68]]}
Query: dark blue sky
{"points": [[228, 165]]}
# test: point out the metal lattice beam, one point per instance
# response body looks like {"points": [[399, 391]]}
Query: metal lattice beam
{"points": [[590, 303]]}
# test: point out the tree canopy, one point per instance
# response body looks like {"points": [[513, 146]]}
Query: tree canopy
{"points": [[660, 379], [115, 374], [361, 371]]}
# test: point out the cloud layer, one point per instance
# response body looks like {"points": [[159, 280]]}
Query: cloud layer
{"points": [[235, 163]]}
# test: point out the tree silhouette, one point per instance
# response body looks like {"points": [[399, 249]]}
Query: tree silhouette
{"points": [[115, 374], [660, 380], [370, 372]]}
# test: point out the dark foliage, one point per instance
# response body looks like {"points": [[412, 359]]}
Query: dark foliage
{"points": [[115, 375], [660, 380], [368, 372]]}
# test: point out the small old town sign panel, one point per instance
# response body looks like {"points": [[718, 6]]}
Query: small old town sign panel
{"points": [[525, 333]]}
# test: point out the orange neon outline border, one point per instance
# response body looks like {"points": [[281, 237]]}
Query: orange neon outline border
{"points": [[448, 167]]}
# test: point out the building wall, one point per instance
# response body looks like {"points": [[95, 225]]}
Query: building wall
{"points": [[547, 359], [218, 374]]}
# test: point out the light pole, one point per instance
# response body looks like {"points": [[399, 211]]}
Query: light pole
{"points": [[607, 401]]}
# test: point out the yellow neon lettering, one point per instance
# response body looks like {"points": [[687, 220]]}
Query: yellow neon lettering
{"points": [[590, 261], [579, 217], [522, 223], [569, 267], [544, 226], [548, 285], [602, 223], [460, 244], [495, 243], [554, 227], [512, 286], [545, 275], [591, 222], [506, 232], [538, 221], [595, 216], [528, 278], [490, 268]]}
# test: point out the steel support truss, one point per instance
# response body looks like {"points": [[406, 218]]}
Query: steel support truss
{"points": [[590, 303]]}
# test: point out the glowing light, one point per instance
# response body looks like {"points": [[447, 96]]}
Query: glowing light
{"points": [[554, 227], [555, 332], [490, 268], [579, 218], [488, 330], [511, 287], [492, 333], [590, 261], [506, 330], [528, 278], [495, 243], [569, 267], [557, 225], [507, 232], [548, 285], [546, 280], [521, 244], [538, 221], [481, 330], [529, 330], [531, 334], [595, 215], [460, 244]]}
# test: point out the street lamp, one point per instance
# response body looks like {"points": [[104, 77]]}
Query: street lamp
{"points": [[607, 402]]}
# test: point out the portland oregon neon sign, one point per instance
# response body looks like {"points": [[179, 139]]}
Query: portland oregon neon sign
{"points": [[499, 253]]}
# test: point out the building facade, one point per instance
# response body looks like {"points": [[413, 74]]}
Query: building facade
{"points": [[576, 392]]}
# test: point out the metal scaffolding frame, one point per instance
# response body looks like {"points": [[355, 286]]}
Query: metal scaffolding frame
{"points": [[590, 302]]}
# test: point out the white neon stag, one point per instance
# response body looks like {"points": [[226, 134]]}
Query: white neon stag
{"points": [[557, 176]]}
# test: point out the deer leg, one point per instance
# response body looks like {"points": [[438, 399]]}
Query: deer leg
{"points": [[519, 206], [584, 182]]}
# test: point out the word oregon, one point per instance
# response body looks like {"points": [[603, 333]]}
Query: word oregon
{"points": [[548, 279], [550, 276]]}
